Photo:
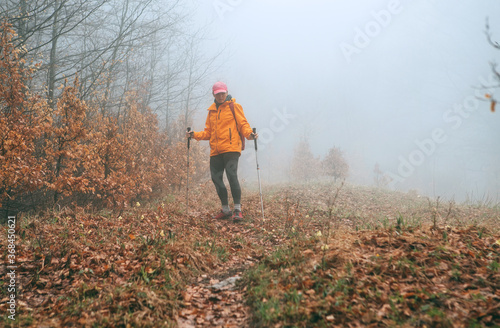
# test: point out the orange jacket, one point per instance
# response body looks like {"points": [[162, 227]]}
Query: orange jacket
{"points": [[221, 130]]}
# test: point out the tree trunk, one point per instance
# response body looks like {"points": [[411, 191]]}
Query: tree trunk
{"points": [[53, 56], [22, 28], [114, 55]]}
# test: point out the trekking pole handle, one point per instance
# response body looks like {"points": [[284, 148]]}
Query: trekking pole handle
{"points": [[189, 138], [255, 140]]}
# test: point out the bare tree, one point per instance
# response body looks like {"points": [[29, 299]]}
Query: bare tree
{"points": [[114, 46], [43, 28], [496, 72], [304, 166], [335, 165]]}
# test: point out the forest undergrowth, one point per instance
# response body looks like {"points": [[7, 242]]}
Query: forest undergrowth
{"points": [[326, 255]]}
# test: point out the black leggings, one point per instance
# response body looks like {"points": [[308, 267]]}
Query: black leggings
{"points": [[228, 162]]}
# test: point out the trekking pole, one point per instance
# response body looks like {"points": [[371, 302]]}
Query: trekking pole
{"points": [[187, 180], [258, 176]]}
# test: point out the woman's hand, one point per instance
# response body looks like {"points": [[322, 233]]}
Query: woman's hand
{"points": [[253, 136]]}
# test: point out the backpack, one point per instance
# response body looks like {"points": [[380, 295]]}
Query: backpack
{"points": [[231, 105]]}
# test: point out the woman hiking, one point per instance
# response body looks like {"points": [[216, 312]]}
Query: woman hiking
{"points": [[225, 127]]}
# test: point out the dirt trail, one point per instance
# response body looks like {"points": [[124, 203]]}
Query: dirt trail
{"points": [[214, 303], [214, 299]]}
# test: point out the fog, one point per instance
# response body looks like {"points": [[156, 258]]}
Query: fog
{"points": [[398, 83]]}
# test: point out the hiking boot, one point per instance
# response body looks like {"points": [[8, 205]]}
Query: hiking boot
{"points": [[222, 215], [237, 216]]}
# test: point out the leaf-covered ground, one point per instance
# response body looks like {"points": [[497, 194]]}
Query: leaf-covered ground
{"points": [[326, 255], [417, 277]]}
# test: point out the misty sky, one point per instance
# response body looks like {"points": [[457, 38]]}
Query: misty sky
{"points": [[389, 82]]}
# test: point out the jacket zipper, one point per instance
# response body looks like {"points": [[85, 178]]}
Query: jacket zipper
{"points": [[217, 118], [230, 137], [215, 131]]}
